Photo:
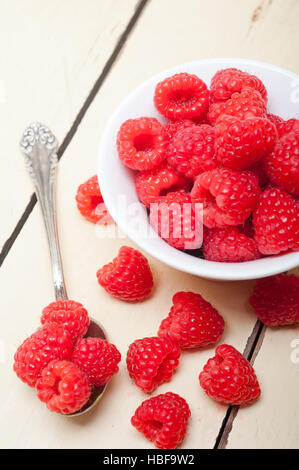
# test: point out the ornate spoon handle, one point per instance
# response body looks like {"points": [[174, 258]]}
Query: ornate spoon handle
{"points": [[39, 146]]}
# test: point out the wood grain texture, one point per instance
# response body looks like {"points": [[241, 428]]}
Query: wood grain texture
{"points": [[166, 34], [51, 55]]}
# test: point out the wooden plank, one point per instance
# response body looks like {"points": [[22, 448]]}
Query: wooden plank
{"points": [[51, 55], [272, 422], [84, 250]]}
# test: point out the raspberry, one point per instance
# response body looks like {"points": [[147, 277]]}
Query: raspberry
{"points": [[228, 196], [246, 104], [151, 183], [277, 121], [140, 143], [229, 378], [64, 387], [182, 96], [170, 130], [283, 128], [275, 300], [152, 361], [282, 164], [91, 203], [128, 276], [175, 218], [276, 222], [240, 144], [228, 81], [192, 150], [46, 344], [228, 245], [68, 313], [97, 358], [163, 419], [192, 321]]}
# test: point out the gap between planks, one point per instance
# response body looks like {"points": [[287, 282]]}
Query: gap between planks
{"points": [[69, 136], [251, 350]]}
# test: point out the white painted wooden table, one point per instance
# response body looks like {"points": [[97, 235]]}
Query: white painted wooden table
{"points": [[68, 64]]}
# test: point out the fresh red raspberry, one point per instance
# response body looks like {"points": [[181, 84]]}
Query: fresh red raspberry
{"points": [[276, 222], [228, 81], [277, 121], [192, 321], [282, 164], [64, 387], [240, 144], [228, 196], [97, 358], [163, 419], [176, 219], [140, 143], [228, 245], [171, 129], [291, 125], [128, 276], [151, 184], [68, 313], [246, 104], [192, 150], [51, 342], [182, 96], [229, 378], [91, 203], [152, 361], [275, 300]]}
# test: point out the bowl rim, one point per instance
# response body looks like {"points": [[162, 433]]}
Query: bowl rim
{"points": [[207, 269]]}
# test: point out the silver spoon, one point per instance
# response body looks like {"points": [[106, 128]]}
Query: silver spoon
{"points": [[39, 147]]}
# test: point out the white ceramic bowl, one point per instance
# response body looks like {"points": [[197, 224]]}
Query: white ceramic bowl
{"points": [[117, 180]]}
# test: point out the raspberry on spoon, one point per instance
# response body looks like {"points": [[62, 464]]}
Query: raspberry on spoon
{"points": [[97, 358], [64, 387], [68, 313]]}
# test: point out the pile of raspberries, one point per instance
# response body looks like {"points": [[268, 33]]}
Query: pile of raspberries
{"points": [[61, 362], [221, 154]]}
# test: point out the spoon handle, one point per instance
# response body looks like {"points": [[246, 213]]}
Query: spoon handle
{"points": [[39, 147]]}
